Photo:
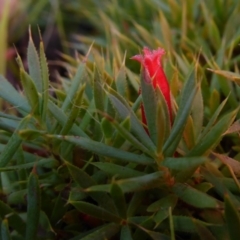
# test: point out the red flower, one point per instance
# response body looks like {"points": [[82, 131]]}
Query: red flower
{"points": [[152, 66]]}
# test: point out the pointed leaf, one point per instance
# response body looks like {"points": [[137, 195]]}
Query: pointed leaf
{"points": [[98, 91], [126, 233], [148, 181], [95, 211], [75, 109], [212, 138], [14, 220], [194, 197], [104, 232], [125, 111], [5, 234], [202, 231], [33, 207], [118, 171], [119, 200], [127, 135], [10, 94], [30, 91], [185, 105], [183, 163], [62, 119], [13, 143], [150, 105], [74, 86], [232, 219], [45, 82], [84, 181], [34, 64], [104, 150]]}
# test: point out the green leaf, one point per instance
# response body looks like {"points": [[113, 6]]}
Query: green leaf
{"points": [[30, 91], [13, 143], [33, 207], [171, 224], [119, 139], [213, 119], [219, 187], [5, 234], [10, 94], [75, 109], [5, 17], [104, 232], [118, 171], [74, 87], [125, 111], [85, 181], [107, 130], [34, 64], [62, 119], [163, 203], [187, 224], [150, 104], [232, 218], [30, 134], [163, 127], [95, 211], [45, 82], [126, 233], [194, 197], [44, 222], [147, 181], [104, 150], [161, 207], [183, 163], [119, 200], [127, 135], [121, 81], [212, 138], [38, 163], [202, 231], [135, 203], [14, 220], [99, 93], [185, 105]]}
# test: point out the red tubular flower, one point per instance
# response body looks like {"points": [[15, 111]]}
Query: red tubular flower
{"points": [[151, 62]]}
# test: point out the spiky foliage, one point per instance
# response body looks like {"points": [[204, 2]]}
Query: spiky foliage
{"points": [[76, 162]]}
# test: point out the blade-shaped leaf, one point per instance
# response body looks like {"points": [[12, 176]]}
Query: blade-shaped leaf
{"points": [[150, 105], [148, 181], [95, 211], [45, 81], [194, 197], [104, 150], [74, 86], [232, 219], [62, 119], [125, 111], [212, 138], [104, 232], [75, 109], [13, 143], [30, 91], [34, 64], [119, 200], [117, 170], [14, 220], [185, 105], [183, 163], [33, 207], [10, 94]]}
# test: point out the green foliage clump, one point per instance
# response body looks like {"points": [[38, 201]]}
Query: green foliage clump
{"points": [[76, 161]]}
